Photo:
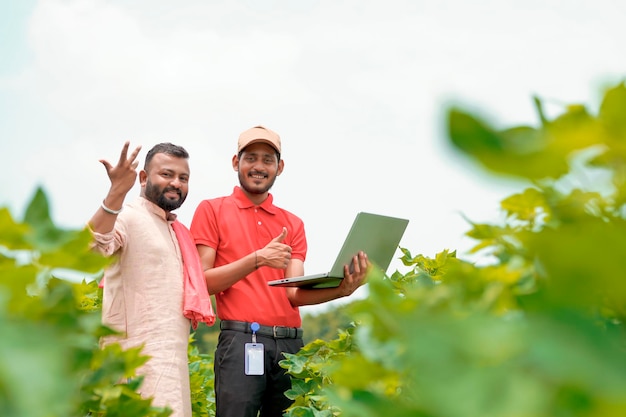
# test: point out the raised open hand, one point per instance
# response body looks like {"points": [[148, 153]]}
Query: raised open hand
{"points": [[124, 174]]}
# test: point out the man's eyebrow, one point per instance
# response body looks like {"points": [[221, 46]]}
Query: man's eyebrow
{"points": [[172, 170]]}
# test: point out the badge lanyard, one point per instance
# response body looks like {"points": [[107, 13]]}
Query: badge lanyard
{"points": [[254, 354]]}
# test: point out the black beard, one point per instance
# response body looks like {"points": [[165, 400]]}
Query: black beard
{"points": [[255, 190], [154, 194]]}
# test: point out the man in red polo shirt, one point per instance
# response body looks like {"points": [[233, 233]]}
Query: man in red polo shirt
{"points": [[244, 241]]}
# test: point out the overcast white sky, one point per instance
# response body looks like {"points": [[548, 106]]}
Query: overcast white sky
{"points": [[356, 89]]}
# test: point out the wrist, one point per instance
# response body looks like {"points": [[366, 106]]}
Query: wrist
{"points": [[110, 210]]}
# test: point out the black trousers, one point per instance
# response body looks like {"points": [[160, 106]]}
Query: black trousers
{"points": [[241, 395]]}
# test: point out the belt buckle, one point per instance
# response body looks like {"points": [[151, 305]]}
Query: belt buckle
{"points": [[274, 331]]}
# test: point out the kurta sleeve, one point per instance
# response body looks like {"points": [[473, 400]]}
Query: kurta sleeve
{"points": [[108, 243]]}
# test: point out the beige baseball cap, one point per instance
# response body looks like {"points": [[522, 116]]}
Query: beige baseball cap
{"points": [[259, 134]]}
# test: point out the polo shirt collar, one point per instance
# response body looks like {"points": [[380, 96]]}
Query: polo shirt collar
{"points": [[243, 201]]}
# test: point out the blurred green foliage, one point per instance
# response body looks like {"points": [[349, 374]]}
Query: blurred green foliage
{"points": [[537, 329], [201, 381], [51, 364]]}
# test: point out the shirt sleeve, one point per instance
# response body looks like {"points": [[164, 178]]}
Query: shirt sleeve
{"points": [[204, 227], [298, 243], [107, 243]]}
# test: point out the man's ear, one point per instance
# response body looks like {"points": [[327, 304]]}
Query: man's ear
{"points": [[281, 166], [236, 163], [143, 177]]}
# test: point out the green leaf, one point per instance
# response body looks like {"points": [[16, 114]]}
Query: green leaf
{"points": [[582, 261], [612, 112], [527, 205], [75, 254], [518, 151], [13, 234], [46, 235]]}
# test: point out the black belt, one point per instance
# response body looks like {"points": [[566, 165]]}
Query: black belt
{"points": [[277, 332]]}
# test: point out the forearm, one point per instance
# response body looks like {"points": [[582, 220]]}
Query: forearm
{"points": [[223, 277], [104, 218], [350, 283], [303, 297]]}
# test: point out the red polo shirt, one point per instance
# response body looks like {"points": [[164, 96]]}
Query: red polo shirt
{"points": [[235, 227]]}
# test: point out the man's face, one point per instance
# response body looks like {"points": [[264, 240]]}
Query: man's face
{"points": [[166, 181], [258, 168]]}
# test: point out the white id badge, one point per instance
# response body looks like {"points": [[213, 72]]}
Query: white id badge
{"points": [[254, 359]]}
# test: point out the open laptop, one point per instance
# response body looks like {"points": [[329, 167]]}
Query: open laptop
{"points": [[376, 235]]}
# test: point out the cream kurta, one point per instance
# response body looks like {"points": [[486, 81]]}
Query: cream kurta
{"points": [[143, 298]]}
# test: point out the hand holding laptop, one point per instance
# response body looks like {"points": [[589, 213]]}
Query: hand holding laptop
{"points": [[354, 274], [373, 234]]}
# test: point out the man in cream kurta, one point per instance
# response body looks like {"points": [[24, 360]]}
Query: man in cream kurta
{"points": [[143, 289], [143, 298]]}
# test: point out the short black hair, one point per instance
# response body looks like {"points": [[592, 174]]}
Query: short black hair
{"points": [[166, 148]]}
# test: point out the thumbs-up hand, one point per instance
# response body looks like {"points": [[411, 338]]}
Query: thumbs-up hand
{"points": [[275, 254], [281, 237]]}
